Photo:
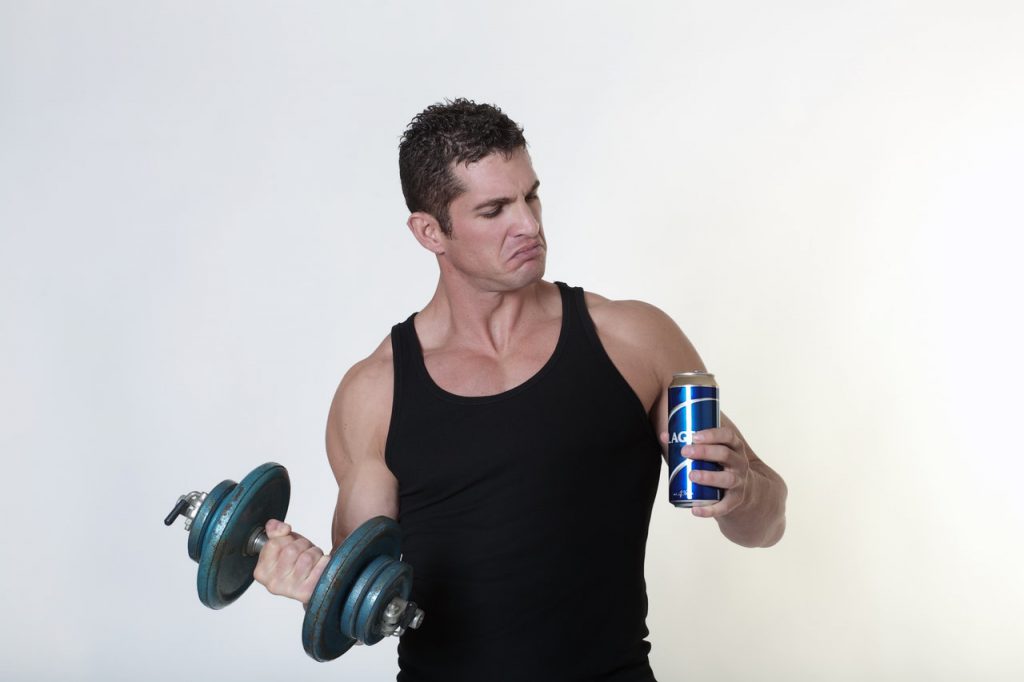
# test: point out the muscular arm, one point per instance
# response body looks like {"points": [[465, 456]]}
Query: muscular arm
{"points": [[756, 514], [356, 435], [290, 564], [648, 347]]}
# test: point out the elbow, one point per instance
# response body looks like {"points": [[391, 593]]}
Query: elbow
{"points": [[777, 529], [774, 534]]}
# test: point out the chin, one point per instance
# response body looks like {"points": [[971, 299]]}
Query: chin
{"points": [[530, 273]]}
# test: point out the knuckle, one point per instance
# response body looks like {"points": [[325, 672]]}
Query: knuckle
{"points": [[289, 553], [305, 562]]}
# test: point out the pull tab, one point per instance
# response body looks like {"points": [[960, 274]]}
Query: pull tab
{"points": [[179, 510]]}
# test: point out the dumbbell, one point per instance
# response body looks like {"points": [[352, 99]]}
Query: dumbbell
{"points": [[362, 595]]}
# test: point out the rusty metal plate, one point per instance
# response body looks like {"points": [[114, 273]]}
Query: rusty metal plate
{"points": [[394, 581], [225, 571], [322, 635], [207, 512], [358, 593]]}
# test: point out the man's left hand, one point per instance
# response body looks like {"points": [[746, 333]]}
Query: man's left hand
{"points": [[724, 447]]}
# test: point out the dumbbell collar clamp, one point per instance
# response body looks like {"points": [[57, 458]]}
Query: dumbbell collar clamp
{"points": [[400, 615], [187, 506]]}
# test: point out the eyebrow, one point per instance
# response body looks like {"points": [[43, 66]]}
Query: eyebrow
{"points": [[502, 201]]}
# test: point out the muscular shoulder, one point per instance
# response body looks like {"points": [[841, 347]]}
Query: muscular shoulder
{"points": [[644, 334], [361, 410], [636, 317]]}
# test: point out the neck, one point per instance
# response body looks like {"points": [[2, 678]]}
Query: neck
{"points": [[468, 315]]}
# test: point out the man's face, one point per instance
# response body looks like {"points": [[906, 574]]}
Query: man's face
{"points": [[497, 239]]}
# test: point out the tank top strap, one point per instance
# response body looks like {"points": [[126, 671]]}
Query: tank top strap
{"points": [[405, 348], [404, 345], [577, 325]]}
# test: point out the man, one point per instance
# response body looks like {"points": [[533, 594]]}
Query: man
{"points": [[510, 427]]}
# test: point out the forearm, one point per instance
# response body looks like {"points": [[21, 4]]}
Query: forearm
{"points": [[760, 520]]}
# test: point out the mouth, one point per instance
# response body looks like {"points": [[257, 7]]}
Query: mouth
{"points": [[529, 251]]}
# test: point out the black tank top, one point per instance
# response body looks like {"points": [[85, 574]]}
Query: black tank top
{"points": [[524, 516]]}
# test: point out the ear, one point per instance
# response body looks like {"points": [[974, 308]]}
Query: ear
{"points": [[427, 231]]}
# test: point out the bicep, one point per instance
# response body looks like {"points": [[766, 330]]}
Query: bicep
{"points": [[366, 490], [647, 347], [671, 352], [356, 434]]}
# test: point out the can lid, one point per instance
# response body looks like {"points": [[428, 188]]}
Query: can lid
{"points": [[694, 378]]}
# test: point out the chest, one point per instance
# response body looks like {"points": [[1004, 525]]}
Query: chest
{"points": [[471, 373], [474, 373]]}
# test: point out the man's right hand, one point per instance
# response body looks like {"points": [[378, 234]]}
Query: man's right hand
{"points": [[289, 564]]}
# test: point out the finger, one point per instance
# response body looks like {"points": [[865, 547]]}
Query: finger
{"points": [[277, 529], [715, 510], [268, 555], [279, 550], [289, 574], [722, 434], [663, 437], [721, 454], [265, 563], [309, 584], [716, 479], [290, 553], [305, 562]]}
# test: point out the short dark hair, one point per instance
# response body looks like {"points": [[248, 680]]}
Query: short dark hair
{"points": [[441, 136]]}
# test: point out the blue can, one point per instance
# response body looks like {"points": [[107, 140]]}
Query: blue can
{"points": [[692, 407]]}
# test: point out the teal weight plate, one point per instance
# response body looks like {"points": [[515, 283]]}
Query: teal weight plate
{"points": [[322, 637], [360, 589], [201, 523], [225, 572], [394, 581]]}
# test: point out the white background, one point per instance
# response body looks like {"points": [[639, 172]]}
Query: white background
{"points": [[201, 228]]}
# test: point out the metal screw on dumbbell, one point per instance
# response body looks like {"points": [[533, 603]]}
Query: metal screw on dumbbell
{"points": [[362, 595], [399, 616], [188, 507]]}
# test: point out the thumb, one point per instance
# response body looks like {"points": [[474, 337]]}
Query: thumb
{"points": [[277, 529]]}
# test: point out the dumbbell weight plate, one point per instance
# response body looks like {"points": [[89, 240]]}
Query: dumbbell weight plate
{"points": [[201, 523], [357, 595], [225, 571], [322, 637], [394, 581]]}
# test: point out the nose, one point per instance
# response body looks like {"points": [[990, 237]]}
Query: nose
{"points": [[527, 222]]}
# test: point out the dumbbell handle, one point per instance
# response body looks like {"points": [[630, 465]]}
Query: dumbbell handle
{"points": [[256, 542]]}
